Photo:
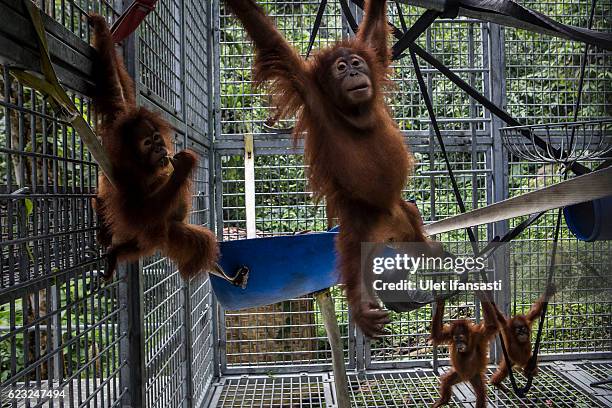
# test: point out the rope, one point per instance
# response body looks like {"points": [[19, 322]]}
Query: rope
{"points": [[315, 27], [51, 86]]}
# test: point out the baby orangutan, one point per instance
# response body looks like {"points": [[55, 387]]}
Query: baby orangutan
{"points": [[469, 346], [146, 209], [516, 332], [354, 149]]}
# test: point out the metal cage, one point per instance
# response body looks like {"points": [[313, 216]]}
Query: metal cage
{"points": [[150, 339]]}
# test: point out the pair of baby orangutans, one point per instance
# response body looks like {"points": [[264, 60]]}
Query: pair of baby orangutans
{"points": [[355, 152], [469, 345]]}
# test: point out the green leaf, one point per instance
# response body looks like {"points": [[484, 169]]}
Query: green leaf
{"points": [[29, 206]]}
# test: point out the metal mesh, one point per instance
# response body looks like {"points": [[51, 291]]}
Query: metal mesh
{"points": [[59, 327], [459, 45], [197, 34], [579, 317], [175, 310], [409, 332], [299, 391], [164, 333], [541, 71], [159, 56], [284, 206], [199, 306], [58, 322], [396, 389], [244, 109], [164, 318], [73, 14], [540, 68], [283, 202], [550, 388], [289, 332], [601, 371], [408, 388]]}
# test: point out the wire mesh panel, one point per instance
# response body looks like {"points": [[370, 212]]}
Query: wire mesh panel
{"points": [[550, 388], [199, 305], [198, 32], [408, 339], [174, 70], [159, 55], [73, 15], [580, 317], [396, 389], [601, 371], [289, 333], [178, 316], [244, 109], [164, 321], [59, 326], [542, 71], [300, 391], [542, 87], [459, 45], [202, 337]]}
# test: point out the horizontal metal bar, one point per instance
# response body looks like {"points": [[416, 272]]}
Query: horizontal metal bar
{"points": [[272, 143], [579, 356], [277, 369], [425, 363], [442, 172]]}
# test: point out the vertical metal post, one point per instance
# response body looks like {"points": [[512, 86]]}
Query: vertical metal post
{"points": [[214, 174], [472, 125], [131, 286], [185, 293], [220, 343], [188, 355], [132, 345], [220, 361], [347, 32], [55, 331], [432, 163], [473, 141], [497, 84], [356, 336]]}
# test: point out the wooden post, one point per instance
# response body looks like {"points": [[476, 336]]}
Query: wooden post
{"points": [[328, 313]]}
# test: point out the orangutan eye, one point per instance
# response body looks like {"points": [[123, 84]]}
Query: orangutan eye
{"points": [[147, 142], [341, 66], [156, 136], [355, 62]]}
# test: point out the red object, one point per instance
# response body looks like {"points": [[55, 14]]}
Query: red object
{"points": [[131, 18]]}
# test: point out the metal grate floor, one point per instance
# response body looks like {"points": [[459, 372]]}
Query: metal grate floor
{"points": [[272, 391], [560, 384]]}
